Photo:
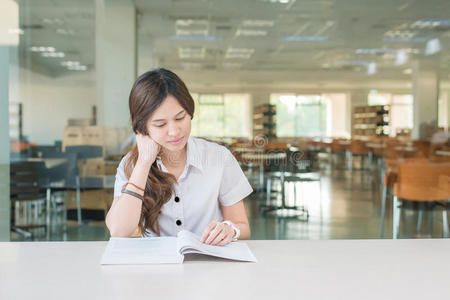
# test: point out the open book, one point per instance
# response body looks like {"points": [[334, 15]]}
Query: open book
{"points": [[160, 250]]}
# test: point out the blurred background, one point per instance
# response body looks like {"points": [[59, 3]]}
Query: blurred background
{"points": [[338, 110]]}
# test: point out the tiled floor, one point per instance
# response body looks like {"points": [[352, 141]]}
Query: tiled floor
{"points": [[348, 207]]}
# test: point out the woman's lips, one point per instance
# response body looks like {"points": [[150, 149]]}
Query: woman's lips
{"points": [[174, 142]]}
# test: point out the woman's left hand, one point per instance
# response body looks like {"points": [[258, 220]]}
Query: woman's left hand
{"points": [[217, 234]]}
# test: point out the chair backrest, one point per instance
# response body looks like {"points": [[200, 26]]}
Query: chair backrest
{"points": [[24, 180], [86, 151], [45, 151], [423, 181], [423, 148], [68, 171], [359, 147]]}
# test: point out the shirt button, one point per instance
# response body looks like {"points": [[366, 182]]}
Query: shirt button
{"points": [[177, 199], [178, 222]]}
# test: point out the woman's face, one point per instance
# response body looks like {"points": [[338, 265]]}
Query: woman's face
{"points": [[170, 125]]}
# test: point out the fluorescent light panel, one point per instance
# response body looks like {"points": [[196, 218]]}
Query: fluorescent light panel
{"points": [[250, 32]]}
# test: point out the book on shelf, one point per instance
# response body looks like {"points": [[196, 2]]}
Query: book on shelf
{"points": [[165, 250]]}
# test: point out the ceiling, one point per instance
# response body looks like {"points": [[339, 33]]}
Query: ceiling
{"points": [[254, 41]]}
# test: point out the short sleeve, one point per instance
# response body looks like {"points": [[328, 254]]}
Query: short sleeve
{"points": [[234, 186], [121, 178]]}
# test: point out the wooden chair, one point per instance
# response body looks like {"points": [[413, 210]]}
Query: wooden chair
{"points": [[390, 178], [28, 203], [358, 148], [439, 148], [423, 183], [339, 149]]}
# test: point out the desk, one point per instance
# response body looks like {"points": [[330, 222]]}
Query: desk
{"points": [[264, 158], [81, 183], [49, 162], [334, 269]]}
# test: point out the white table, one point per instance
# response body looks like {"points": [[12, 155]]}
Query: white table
{"points": [[334, 269]]}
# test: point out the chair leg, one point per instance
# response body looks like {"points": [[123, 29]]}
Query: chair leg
{"points": [[268, 191], [261, 176], [383, 210], [48, 217], [444, 223], [419, 219], [396, 218], [431, 220]]}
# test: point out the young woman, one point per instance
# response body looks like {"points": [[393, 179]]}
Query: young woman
{"points": [[170, 181]]}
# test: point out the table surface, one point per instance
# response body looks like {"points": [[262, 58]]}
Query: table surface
{"points": [[300, 269], [442, 153]]}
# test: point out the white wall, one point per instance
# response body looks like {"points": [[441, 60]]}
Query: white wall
{"points": [[48, 102]]}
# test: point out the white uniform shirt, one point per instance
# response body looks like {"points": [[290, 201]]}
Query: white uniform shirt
{"points": [[212, 176]]}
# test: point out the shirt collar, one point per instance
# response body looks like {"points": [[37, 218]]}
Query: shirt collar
{"points": [[193, 156]]}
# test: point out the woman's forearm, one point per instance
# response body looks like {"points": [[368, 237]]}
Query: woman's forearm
{"points": [[245, 231], [123, 216]]}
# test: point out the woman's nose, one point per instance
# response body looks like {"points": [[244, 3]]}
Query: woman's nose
{"points": [[173, 130]]}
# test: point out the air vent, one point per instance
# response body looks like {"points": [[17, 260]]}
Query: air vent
{"points": [[223, 27], [32, 26]]}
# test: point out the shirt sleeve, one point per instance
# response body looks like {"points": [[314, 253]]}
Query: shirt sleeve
{"points": [[234, 186], [121, 178]]}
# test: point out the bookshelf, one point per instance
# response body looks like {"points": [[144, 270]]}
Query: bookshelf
{"points": [[264, 120], [370, 121]]}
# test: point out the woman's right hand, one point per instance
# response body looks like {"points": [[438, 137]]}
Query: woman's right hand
{"points": [[148, 149]]}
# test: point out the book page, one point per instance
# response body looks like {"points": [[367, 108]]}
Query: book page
{"points": [[188, 242], [150, 250]]}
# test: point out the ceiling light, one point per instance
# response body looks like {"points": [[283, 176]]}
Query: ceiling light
{"points": [[247, 32], [77, 68], [191, 65], [304, 38], [431, 23], [190, 22], [374, 51], [351, 63], [258, 23], [405, 39], [69, 63], [401, 58], [371, 68], [42, 49], [407, 71], [184, 52], [65, 31], [433, 46], [191, 32], [53, 54], [245, 53], [196, 37]]}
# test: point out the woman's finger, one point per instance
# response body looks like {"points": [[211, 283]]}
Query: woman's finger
{"points": [[225, 241], [208, 230], [213, 234], [222, 234]]}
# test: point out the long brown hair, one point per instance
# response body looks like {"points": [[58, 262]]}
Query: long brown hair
{"points": [[147, 94]]}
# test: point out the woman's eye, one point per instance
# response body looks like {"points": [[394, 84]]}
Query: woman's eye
{"points": [[162, 125], [181, 118]]}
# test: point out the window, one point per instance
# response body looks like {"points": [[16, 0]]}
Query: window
{"points": [[221, 115], [310, 115]]}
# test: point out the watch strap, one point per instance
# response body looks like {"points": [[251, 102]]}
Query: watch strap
{"points": [[237, 231]]}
